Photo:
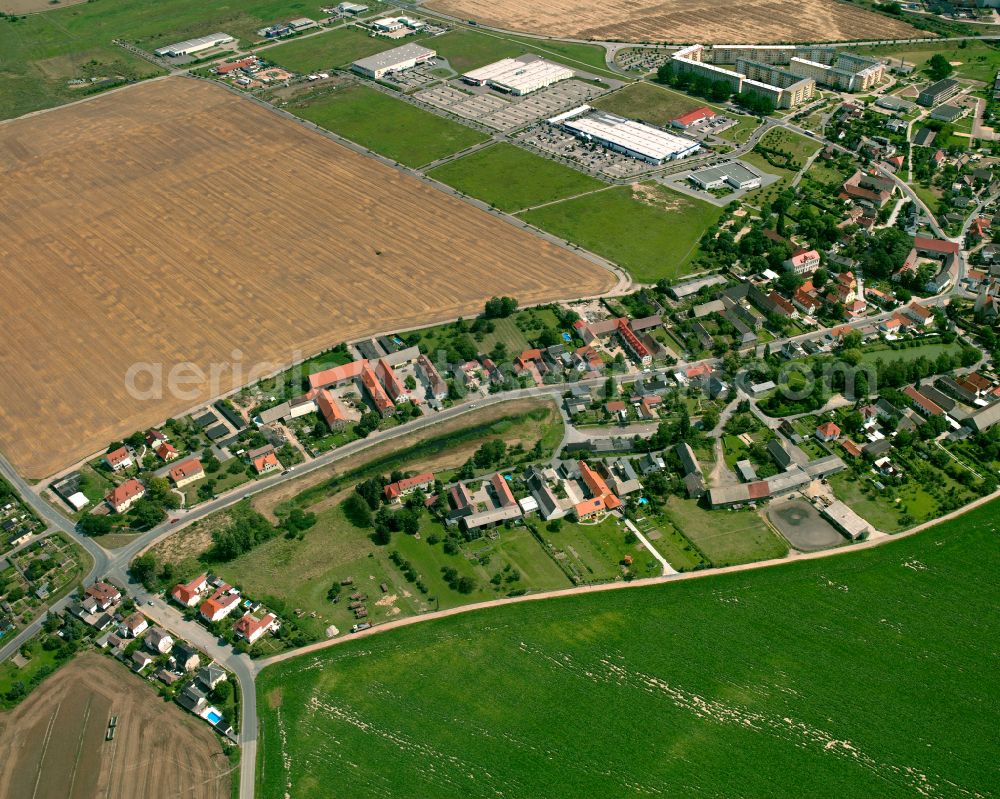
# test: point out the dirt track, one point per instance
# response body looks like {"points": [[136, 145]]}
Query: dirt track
{"points": [[52, 745], [176, 222], [682, 21]]}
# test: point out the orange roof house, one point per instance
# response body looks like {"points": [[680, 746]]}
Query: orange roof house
{"points": [[827, 431], [332, 413], [383, 404], [187, 594], [251, 629], [187, 472], [504, 495], [123, 497], [268, 462], [394, 492]]}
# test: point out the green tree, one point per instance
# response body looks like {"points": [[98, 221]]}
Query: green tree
{"points": [[938, 68]]}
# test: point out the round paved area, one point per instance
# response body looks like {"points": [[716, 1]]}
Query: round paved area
{"points": [[801, 524]]}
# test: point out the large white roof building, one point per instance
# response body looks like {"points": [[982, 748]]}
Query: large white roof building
{"points": [[395, 60], [626, 136], [190, 46], [518, 76]]}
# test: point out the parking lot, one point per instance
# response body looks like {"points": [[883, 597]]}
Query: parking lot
{"points": [[590, 157], [641, 59], [503, 112]]}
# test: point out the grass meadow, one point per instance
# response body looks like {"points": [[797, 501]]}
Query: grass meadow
{"points": [[39, 53], [387, 126], [512, 179], [860, 675], [647, 229]]}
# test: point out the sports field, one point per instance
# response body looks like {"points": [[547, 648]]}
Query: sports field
{"points": [[53, 744], [511, 179], [866, 674], [387, 126], [647, 229], [174, 222], [681, 21]]}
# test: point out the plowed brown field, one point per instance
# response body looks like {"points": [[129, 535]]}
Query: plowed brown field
{"points": [[174, 222], [52, 744], [683, 21]]}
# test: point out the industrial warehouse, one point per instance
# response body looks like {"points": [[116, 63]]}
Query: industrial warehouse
{"points": [[733, 174], [395, 60], [626, 136], [192, 46], [518, 76]]}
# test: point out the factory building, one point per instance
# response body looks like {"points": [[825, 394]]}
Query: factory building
{"points": [[192, 46], [395, 60], [733, 174], [625, 136], [518, 76]]}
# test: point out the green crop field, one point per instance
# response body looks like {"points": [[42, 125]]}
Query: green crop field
{"points": [[649, 230], [860, 675], [466, 49], [39, 53], [510, 178], [338, 48], [386, 125]]}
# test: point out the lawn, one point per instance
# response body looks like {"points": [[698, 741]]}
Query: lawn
{"points": [[337, 48], [930, 351], [591, 552], [780, 153], [39, 53], [809, 679], [511, 179], [39, 659], [650, 103], [978, 60], [516, 332], [386, 125], [466, 49], [669, 542], [725, 537], [649, 230]]}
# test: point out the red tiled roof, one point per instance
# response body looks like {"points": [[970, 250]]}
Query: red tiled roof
{"points": [[398, 488], [185, 592], [130, 489], [375, 390], [694, 116], [329, 407], [503, 492], [851, 448], [614, 406], [935, 245], [828, 429], [393, 385], [186, 469], [924, 403], [337, 374], [118, 455], [262, 462], [758, 490], [167, 451]]}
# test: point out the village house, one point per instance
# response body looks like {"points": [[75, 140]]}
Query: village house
{"points": [[159, 640], [394, 492], [167, 452], [331, 410], [186, 472], [250, 629], [802, 262], [134, 626], [119, 459], [267, 463], [104, 595], [186, 657], [223, 601], [188, 594], [123, 497], [827, 432]]}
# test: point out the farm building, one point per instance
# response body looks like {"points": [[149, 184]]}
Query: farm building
{"points": [[846, 520], [192, 46], [625, 136], [734, 174], [518, 76], [395, 60]]}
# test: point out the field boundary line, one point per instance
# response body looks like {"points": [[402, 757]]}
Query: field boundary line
{"points": [[644, 582]]}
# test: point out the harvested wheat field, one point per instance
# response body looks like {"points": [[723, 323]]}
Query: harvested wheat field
{"points": [[683, 21], [175, 222], [53, 744]]}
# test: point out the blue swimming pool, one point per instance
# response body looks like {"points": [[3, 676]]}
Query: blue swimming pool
{"points": [[214, 716]]}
